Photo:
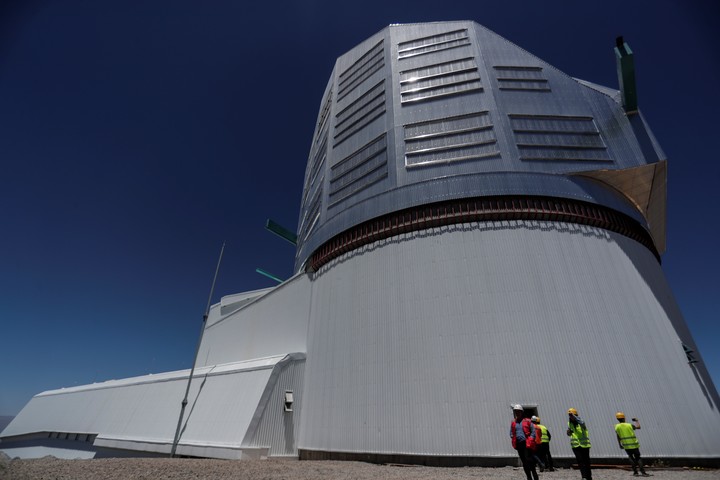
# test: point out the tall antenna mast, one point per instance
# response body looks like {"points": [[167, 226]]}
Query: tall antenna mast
{"points": [[197, 351]]}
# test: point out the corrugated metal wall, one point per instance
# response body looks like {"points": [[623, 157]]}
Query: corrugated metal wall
{"points": [[419, 344], [278, 428]]}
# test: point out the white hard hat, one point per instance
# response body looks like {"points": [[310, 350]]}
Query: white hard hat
{"points": [[518, 407], [534, 419]]}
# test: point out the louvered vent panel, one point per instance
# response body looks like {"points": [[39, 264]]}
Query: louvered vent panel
{"points": [[314, 187], [313, 212], [557, 137], [318, 160], [359, 170], [451, 139], [322, 120], [439, 80], [360, 113], [521, 78], [361, 70], [434, 43]]}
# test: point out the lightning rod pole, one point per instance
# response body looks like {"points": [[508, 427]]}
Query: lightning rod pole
{"points": [[197, 351]]}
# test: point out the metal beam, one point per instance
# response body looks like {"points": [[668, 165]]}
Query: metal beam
{"points": [[281, 231], [269, 275], [184, 402]]}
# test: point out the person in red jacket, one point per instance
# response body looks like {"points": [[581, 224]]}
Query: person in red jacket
{"points": [[522, 433]]}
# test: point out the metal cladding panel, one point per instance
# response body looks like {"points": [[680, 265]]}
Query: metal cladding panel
{"points": [[224, 415], [453, 187], [420, 343], [359, 116], [228, 404], [277, 427], [451, 100], [273, 324]]}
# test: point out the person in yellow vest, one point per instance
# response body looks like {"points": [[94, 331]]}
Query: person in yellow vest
{"points": [[544, 446], [579, 442], [628, 441]]}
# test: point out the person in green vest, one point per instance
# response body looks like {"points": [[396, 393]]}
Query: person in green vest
{"points": [[628, 441], [579, 442], [544, 447]]}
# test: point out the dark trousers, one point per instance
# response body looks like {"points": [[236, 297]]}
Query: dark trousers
{"points": [[634, 454], [544, 454], [583, 458], [527, 461]]}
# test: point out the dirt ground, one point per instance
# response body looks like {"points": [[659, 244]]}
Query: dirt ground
{"points": [[50, 468]]}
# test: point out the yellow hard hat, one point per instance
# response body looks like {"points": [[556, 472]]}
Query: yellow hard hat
{"points": [[620, 415], [572, 410]]}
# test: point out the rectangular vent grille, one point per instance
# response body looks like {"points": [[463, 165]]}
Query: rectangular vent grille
{"points": [[451, 139], [360, 113], [434, 43], [361, 70], [359, 170], [439, 80], [521, 78], [558, 137]]}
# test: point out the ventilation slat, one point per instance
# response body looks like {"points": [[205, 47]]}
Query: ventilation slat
{"points": [[521, 78], [558, 138], [433, 43], [450, 139], [360, 113], [361, 70], [439, 80], [361, 169]]}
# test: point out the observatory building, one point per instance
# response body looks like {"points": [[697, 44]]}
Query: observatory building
{"points": [[477, 229]]}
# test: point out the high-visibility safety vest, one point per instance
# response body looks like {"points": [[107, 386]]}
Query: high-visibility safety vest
{"points": [[579, 436], [544, 430], [626, 434]]}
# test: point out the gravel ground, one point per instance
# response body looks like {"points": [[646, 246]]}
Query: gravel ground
{"points": [[181, 469]]}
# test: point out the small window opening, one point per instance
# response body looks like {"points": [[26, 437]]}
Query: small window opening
{"points": [[288, 404], [529, 409]]}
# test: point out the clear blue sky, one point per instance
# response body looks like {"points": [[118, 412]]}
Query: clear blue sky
{"points": [[135, 137]]}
